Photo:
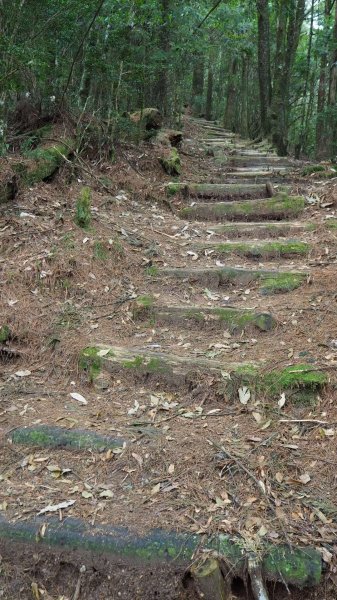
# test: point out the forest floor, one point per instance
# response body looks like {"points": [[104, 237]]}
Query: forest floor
{"points": [[65, 289]]}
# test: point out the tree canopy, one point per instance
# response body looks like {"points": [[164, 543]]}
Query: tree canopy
{"points": [[262, 68]]}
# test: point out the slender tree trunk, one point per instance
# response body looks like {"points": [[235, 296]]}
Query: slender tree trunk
{"points": [[264, 63], [209, 97], [333, 91], [305, 106], [230, 111], [244, 97], [321, 133], [164, 43], [198, 86]]}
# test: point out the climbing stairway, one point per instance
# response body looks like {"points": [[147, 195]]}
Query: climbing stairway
{"points": [[201, 337]]}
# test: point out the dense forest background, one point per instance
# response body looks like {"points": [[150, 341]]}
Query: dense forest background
{"points": [[262, 68]]}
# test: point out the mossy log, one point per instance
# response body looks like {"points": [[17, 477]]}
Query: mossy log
{"points": [[260, 230], [147, 118], [38, 165], [221, 190], [169, 137], [48, 436], [209, 580], [235, 319], [270, 282], [170, 161], [256, 250], [303, 380], [273, 208], [297, 566], [252, 161]]}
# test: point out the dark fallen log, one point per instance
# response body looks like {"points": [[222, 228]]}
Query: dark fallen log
{"points": [[47, 436], [297, 566]]}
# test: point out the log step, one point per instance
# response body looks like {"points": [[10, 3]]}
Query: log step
{"points": [[175, 371], [221, 190], [301, 566], [234, 319], [270, 282], [260, 230], [256, 250], [275, 208], [49, 436]]}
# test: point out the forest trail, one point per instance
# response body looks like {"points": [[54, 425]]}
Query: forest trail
{"points": [[201, 400]]}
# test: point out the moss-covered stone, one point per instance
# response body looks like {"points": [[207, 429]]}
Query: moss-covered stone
{"points": [[171, 162], [276, 249], [90, 362], [310, 169], [43, 162], [173, 188], [282, 282], [278, 207], [47, 436]]}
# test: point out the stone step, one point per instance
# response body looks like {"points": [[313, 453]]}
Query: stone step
{"points": [[174, 371], [221, 190], [260, 230], [234, 319], [276, 208], [271, 249], [269, 281]]}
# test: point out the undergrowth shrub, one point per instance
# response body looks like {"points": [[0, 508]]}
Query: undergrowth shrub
{"points": [[83, 209]]}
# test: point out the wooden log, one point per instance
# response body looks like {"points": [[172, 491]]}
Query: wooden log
{"points": [[209, 581], [256, 579]]}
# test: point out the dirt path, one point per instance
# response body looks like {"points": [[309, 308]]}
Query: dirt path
{"points": [[190, 357]]}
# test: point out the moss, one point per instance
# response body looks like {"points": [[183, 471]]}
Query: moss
{"points": [[171, 163], [286, 248], [195, 315], [173, 188], [302, 379], [90, 362], [279, 206], [46, 436], [145, 301], [45, 162], [331, 224], [152, 271], [312, 169], [4, 333], [100, 252], [83, 208], [282, 282], [136, 363]]}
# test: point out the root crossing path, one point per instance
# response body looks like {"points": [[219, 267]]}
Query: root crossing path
{"points": [[196, 420]]}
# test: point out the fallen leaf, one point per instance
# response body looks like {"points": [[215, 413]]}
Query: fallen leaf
{"points": [[56, 507], [138, 458], [171, 469], [266, 425], [244, 395], [279, 477], [106, 494], [86, 494], [23, 373], [155, 489], [78, 397], [282, 400], [305, 478]]}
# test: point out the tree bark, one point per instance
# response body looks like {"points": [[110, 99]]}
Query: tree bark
{"points": [[209, 581], [209, 97], [264, 63]]}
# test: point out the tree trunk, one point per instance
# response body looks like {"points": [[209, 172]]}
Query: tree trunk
{"points": [[264, 63], [198, 86], [333, 91], [164, 44], [209, 581], [231, 103], [209, 97], [321, 133]]}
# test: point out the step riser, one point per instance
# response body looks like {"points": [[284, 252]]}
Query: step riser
{"points": [[221, 318], [272, 250], [257, 232], [240, 211]]}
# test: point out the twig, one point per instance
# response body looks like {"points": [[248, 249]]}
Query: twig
{"points": [[305, 421], [258, 483]]}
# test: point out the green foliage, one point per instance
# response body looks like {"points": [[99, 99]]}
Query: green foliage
{"points": [[83, 209]]}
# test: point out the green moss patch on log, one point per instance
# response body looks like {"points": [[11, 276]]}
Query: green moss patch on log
{"points": [[233, 318], [297, 566], [43, 162], [48, 436], [5, 334], [260, 230], [279, 207], [171, 162], [271, 282], [277, 249]]}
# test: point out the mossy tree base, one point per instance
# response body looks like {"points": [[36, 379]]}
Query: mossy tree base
{"points": [[301, 567], [270, 282], [256, 250], [233, 319], [276, 208]]}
